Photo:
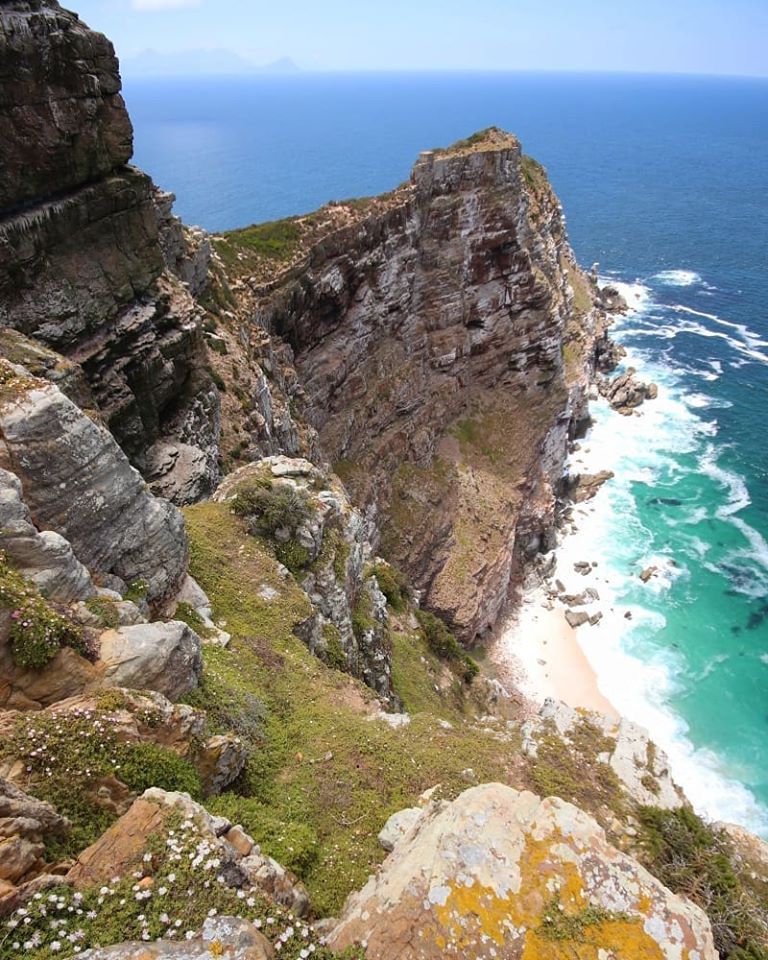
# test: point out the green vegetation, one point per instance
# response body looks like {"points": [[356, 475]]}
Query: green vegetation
{"points": [[534, 173], [572, 770], [137, 591], [187, 614], [317, 760], [697, 861], [362, 615], [182, 893], [276, 241], [441, 641], [37, 631], [392, 584], [559, 925], [276, 512], [68, 755], [105, 610]]}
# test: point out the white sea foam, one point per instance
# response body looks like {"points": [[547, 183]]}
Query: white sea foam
{"points": [[637, 675], [677, 278]]}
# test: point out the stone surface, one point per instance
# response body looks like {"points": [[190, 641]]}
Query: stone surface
{"points": [[78, 483], [220, 761], [25, 823], [336, 538], [44, 557], [498, 873], [642, 768], [398, 826], [626, 392], [228, 937], [118, 849], [152, 656]]}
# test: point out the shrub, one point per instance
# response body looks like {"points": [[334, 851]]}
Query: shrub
{"points": [[270, 510], [442, 642], [392, 584], [37, 631], [105, 610], [145, 765], [362, 615], [695, 860], [137, 591]]}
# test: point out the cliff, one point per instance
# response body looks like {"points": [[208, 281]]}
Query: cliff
{"points": [[82, 265], [400, 376], [443, 337]]}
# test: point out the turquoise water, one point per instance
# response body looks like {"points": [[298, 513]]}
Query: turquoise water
{"points": [[665, 182]]}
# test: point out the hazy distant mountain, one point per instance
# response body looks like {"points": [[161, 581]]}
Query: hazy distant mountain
{"points": [[190, 63]]}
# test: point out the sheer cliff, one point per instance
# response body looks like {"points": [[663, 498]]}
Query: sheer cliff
{"points": [[442, 337]]}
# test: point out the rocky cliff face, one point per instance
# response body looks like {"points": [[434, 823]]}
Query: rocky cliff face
{"points": [[82, 261], [442, 336]]}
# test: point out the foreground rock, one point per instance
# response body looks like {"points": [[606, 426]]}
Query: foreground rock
{"points": [[228, 937], [498, 873], [241, 862]]}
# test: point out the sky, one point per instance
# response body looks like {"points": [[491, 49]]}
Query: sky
{"points": [[659, 36]]}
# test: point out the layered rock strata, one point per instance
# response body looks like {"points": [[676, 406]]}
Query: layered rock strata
{"points": [[443, 337], [86, 264]]}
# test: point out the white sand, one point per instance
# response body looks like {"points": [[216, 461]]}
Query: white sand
{"points": [[551, 662]]}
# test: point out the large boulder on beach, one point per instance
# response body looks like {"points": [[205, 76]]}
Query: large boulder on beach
{"points": [[500, 873]]}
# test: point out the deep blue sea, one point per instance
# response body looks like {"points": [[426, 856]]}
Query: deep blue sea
{"points": [[664, 181]]}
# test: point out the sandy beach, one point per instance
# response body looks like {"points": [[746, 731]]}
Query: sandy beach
{"points": [[550, 663]]}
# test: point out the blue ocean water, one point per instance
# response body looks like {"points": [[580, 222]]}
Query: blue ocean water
{"points": [[665, 182]]}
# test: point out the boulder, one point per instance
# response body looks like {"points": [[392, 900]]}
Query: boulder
{"points": [[499, 873], [228, 937], [219, 761], [242, 863], [398, 826], [152, 656], [576, 618], [78, 483], [25, 823]]}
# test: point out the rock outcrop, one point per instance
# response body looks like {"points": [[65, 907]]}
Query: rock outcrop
{"points": [[78, 483], [626, 392], [241, 863], [85, 261], [228, 937], [442, 337], [498, 873], [641, 767], [328, 551]]}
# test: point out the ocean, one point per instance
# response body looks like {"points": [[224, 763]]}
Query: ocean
{"points": [[664, 181]]}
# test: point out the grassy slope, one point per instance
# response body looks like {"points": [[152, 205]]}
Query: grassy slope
{"points": [[319, 759]]}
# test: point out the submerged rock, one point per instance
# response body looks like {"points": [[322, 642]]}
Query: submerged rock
{"points": [[499, 873]]}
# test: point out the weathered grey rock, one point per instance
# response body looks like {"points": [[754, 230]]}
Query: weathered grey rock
{"points": [[187, 251], [626, 392], [152, 656], [25, 823], [397, 827], [228, 937], [642, 768], [44, 557], [220, 761], [78, 483], [336, 539], [273, 879], [483, 877]]}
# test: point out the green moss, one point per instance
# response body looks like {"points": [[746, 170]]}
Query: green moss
{"points": [[105, 610], [534, 173], [187, 614], [362, 615], [277, 240], [147, 765], [560, 926], [334, 654], [137, 591], [37, 631]]}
